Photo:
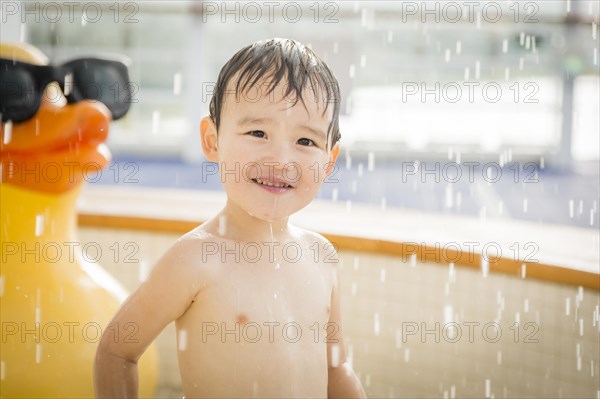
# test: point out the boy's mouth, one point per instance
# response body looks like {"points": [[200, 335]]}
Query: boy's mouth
{"points": [[272, 184]]}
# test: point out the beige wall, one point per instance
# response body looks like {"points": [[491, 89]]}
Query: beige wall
{"points": [[386, 297]]}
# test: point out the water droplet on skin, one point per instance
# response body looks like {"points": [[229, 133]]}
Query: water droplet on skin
{"points": [[182, 340]]}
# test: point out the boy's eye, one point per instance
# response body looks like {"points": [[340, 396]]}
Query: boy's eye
{"points": [[305, 141], [256, 133]]}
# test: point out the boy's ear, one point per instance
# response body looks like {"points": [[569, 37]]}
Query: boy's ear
{"points": [[208, 134], [335, 151]]}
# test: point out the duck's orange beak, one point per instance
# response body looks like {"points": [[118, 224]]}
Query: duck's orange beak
{"points": [[58, 148]]}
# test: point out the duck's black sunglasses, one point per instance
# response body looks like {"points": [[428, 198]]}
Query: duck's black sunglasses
{"points": [[22, 85]]}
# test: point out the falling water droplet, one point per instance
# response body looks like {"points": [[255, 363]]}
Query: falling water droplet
{"points": [[143, 270], [507, 73], [581, 327], [521, 63], [594, 30], [488, 388], [336, 47], [7, 132], [568, 6], [449, 196], [499, 358], [382, 275], [334, 194], [83, 18], [505, 46], [458, 47], [182, 341], [177, 83], [383, 203], [39, 225], [525, 205], [451, 272], [413, 260], [2, 370], [335, 355], [477, 69], [376, 326], [485, 266], [406, 355], [68, 85], [155, 122], [221, 226], [390, 36], [567, 306], [360, 169], [447, 55], [348, 206], [363, 60], [38, 353], [1, 286], [467, 73], [523, 270], [371, 161], [353, 186], [571, 209], [448, 314], [352, 71]]}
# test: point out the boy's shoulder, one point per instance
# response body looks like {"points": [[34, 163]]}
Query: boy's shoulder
{"points": [[317, 243]]}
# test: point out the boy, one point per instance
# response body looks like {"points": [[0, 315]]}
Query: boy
{"points": [[254, 299]]}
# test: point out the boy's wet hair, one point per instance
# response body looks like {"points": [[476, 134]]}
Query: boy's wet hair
{"points": [[280, 61]]}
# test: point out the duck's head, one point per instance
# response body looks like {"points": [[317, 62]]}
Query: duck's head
{"points": [[60, 145]]}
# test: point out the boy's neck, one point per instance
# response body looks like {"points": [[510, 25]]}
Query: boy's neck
{"points": [[235, 223]]}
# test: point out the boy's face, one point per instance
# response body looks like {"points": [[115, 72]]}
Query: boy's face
{"points": [[273, 154]]}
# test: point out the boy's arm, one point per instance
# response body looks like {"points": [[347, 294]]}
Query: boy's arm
{"points": [[162, 298], [342, 382]]}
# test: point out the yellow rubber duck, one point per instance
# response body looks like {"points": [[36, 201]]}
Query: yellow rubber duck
{"points": [[53, 303]]}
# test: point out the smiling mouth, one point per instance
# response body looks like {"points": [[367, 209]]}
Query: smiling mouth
{"points": [[271, 184]]}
